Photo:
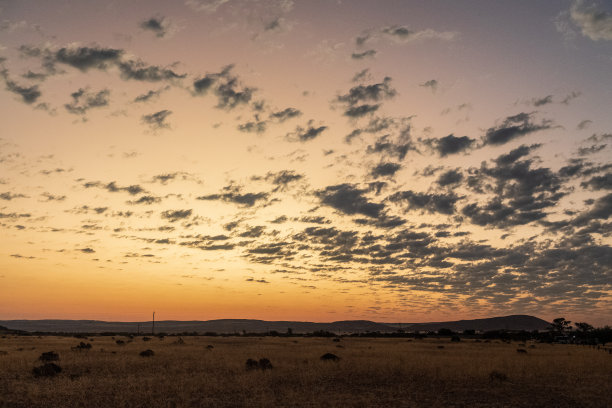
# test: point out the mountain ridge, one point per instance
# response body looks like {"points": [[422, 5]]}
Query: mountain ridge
{"points": [[511, 322]]}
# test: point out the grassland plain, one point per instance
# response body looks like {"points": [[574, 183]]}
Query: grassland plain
{"points": [[371, 373]]}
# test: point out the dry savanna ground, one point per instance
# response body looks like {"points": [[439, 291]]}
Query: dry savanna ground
{"points": [[370, 373]]}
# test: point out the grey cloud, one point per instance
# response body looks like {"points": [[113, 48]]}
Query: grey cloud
{"points": [[283, 179], [385, 169], [593, 22], [160, 26], [157, 120], [513, 127], [363, 55], [175, 215], [304, 134], [404, 34], [542, 101], [150, 95], [113, 188], [52, 197], [15, 215], [83, 100], [349, 199], [285, 114], [450, 144], [599, 182], [244, 199], [450, 177], [441, 203], [253, 127], [8, 196], [514, 155], [146, 199], [85, 58], [361, 110], [29, 95], [368, 93], [432, 84], [584, 124], [140, 71]]}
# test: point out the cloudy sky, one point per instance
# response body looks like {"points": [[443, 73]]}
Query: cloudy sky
{"points": [[306, 160]]}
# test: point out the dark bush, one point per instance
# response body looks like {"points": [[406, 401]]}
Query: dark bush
{"points": [[49, 356], [523, 351], [265, 364], [251, 364], [455, 338], [120, 342], [330, 357], [147, 353], [47, 370], [497, 376]]}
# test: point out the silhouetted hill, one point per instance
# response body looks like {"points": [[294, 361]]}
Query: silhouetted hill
{"points": [[517, 322], [514, 322]]}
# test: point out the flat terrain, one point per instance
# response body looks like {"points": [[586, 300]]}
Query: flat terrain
{"points": [[371, 372]]}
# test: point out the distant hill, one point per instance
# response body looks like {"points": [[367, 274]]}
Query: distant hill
{"points": [[515, 322]]}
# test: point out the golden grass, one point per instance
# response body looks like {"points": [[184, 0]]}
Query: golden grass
{"points": [[371, 373]]}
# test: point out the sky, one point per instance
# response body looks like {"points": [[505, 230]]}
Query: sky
{"points": [[394, 161]]}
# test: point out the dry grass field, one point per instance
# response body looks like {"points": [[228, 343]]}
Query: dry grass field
{"points": [[370, 373]]}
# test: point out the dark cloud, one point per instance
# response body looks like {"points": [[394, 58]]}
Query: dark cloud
{"points": [[432, 203], [29, 94], [431, 84], [450, 177], [349, 199], [542, 101], [83, 100], [599, 182], [368, 93], [385, 169], [140, 71], [584, 124], [521, 191], [52, 197], [146, 199], [450, 144], [363, 55], [404, 34], [160, 26], [8, 196], [87, 250], [253, 127], [283, 179], [227, 88], [113, 188], [15, 215], [256, 280], [514, 127], [285, 114], [85, 58], [304, 134], [361, 110], [157, 120], [514, 155], [150, 95], [175, 215], [233, 195]]}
